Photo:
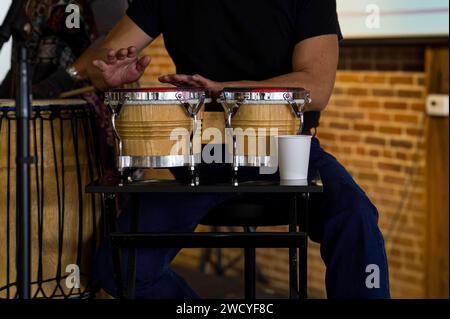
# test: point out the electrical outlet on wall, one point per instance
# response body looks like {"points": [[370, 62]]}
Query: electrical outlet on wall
{"points": [[437, 105]]}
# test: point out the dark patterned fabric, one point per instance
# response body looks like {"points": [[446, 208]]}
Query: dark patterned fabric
{"points": [[53, 46]]}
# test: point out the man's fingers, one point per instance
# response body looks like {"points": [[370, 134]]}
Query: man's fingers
{"points": [[168, 78], [186, 79], [111, 56], [132, 52], [142, 63], [180, 80], [101, 65], [122, 54], [201, 80]]}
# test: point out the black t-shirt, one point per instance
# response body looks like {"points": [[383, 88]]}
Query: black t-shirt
{"points": [[231, 40]]}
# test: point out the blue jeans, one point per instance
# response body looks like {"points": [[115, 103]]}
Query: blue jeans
{"points": [[342, 219]]}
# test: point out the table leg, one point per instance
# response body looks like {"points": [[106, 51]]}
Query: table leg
{"points": [[303, 264], [131, 276], [293, 261], [250, 267], [111, 217]]}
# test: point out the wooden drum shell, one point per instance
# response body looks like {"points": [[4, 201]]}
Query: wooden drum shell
{"points": [[145, 130], [248, 120], [62, 214]]}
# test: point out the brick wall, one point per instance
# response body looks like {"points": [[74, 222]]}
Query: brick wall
{"points": [[374, 125]]}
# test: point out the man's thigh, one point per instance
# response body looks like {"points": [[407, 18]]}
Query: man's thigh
{"points": [[341, 194]]}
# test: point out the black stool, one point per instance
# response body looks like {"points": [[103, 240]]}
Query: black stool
{"points": [[250, 213]]}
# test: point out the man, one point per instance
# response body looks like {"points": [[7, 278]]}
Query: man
{"points": [[224, 43]]}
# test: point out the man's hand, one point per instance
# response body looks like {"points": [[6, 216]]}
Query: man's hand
{"points": [[192, 81], [121, 67]]}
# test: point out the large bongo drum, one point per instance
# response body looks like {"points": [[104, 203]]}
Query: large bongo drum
{"points": [[157, 127], [64, 220], [256, 116]]}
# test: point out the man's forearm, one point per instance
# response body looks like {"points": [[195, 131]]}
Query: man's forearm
{"points": [[320, 92]]}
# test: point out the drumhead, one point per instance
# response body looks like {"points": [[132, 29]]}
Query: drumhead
{"points": [[10, 105], [264, 95], [157, 95]]}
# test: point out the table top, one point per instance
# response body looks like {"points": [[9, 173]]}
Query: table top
{"points": [[313, 185]]}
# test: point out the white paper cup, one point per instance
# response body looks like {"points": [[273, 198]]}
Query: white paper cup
{"points": [[293, 156]]}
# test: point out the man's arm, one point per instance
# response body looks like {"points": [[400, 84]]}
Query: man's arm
{"points": [[116, 62], [314, 65]]}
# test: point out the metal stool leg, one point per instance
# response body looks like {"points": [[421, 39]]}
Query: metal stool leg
{"points": [[249, 271], [110, 210], [293, 256], [303, 264], [131, 276]]}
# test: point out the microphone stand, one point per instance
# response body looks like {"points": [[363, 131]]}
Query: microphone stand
{"points": [[16, 26]]}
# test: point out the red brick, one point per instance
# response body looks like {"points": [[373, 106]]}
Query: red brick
{"points": [[401, 155], [357, 91], [369, 104], [384, 117], [361, 151], [414, 132], [342, 102], [383, 92], [353, 115], [347, 150], [395, 105], [363, 164], [417, 107], [345, 77], [364, 127], [375, 140], [374, 153], [394, 180], [327, 136], [406, 79], [388, 154], [331, 113], [390, 130], [410, 93], [375, 79], [412, 119], [339, 125], [401, 144], [350, 138], [390, 167], [368, 177]]}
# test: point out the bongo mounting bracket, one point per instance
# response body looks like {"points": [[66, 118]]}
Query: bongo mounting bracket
{"points": [[298, 108], [192, 109], [231, 108], [115, 111]]}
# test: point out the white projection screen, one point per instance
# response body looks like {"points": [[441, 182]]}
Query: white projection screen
{"points": [[369, 19], [5, 54]]}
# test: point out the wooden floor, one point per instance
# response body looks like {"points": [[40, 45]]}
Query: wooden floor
{"points": [[218, 287], [230, 288]]}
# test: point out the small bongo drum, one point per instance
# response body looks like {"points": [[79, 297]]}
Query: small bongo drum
{"points": [[255, 116], [64, 219], [157, 127]]}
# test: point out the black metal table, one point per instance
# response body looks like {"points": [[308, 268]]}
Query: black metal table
{"points": [[295, 238]]}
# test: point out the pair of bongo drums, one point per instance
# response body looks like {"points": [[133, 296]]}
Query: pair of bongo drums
{"points": [[65, 221], [165, 127]]}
